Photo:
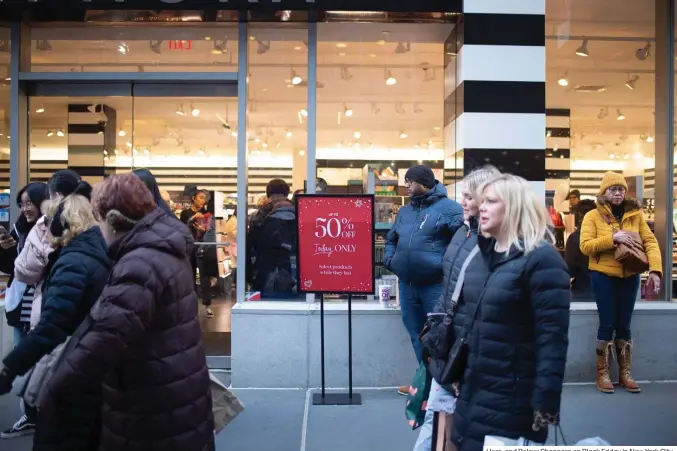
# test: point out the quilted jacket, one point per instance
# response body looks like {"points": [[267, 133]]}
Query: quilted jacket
{"points": [[517, 345], [145, 344], [31, 264]]}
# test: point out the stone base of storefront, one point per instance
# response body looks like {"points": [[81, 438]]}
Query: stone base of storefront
{"points": [[277, 345]]}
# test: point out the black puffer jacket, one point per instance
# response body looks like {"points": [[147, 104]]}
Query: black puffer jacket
{"points": [[72, 287], [518, 344], [461, 244], [145, 343]]}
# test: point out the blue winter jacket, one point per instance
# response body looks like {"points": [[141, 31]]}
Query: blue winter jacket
{"points": [[422, 231]]}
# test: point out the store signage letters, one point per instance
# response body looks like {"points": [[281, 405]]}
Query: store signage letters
{"points": [[336, 244], [180, 45]]}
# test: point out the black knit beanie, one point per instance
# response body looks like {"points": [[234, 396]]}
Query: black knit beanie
{"points": [[421, 174]]}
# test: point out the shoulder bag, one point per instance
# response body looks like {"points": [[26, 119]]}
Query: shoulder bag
{"points": [[445, 353], [632, 256]]}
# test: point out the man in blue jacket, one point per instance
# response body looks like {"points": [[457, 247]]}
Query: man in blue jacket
{"points": [[415, 247]]}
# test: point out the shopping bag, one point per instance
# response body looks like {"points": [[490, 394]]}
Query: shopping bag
{"points": [[225, 405], [417, 399]]}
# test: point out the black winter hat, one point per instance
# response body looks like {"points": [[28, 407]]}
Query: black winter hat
{"points": [[277, 186], [421, 174]]}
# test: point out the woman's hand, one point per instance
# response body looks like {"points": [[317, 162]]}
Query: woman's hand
{"points": [[654, 281], [543, 419], [622, 237], [7, 242]]}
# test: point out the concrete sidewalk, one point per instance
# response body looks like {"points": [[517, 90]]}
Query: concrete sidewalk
{"points": [[286, 420]]}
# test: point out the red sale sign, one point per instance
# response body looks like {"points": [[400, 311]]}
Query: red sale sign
{"points": [[336, 243]]}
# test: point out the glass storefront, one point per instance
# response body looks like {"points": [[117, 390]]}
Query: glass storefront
{"points": [[349, 101]]}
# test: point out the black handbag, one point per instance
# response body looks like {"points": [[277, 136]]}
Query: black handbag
{"points": [[445, 353]]}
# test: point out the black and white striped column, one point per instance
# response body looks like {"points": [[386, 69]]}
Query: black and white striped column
{"points": [[500, 88], [558, 152], [91, 133]]}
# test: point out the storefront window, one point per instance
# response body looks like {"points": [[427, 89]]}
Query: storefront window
{"points": [[600, 113], [277, 124], [134, 48], [381, 110]]}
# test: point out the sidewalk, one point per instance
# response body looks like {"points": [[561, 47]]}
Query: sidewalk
{"points": [[286, 420]]}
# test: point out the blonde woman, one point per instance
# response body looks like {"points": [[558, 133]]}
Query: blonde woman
{"points": [[615, 287], [464, 240], [515, 306], [72, 286]]}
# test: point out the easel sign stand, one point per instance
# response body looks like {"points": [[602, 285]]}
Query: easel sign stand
{"points": [[336, 255]]}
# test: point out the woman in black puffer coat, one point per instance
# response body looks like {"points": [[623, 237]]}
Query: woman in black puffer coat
{"points": [[73, 285], [519, 286]]}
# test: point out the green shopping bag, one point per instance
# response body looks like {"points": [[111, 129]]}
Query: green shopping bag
{"points": [[417, 399]]}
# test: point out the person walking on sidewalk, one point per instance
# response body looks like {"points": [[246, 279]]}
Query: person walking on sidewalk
{"points": [[441, 399], [415, 246], [614, 286], [514, 312]]}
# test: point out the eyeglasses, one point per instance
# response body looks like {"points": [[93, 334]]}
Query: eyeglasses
{"points": [[26, 205], [616, 189]]}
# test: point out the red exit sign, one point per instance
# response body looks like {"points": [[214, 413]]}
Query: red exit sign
{"points": [[180, 45]]}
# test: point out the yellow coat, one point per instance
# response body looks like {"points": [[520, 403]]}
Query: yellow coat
{"points": [[598, 244]]}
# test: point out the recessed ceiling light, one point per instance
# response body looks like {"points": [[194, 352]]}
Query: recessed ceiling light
{"points": [[40, 110], [357, 135], [298, 47], [341, 45]]}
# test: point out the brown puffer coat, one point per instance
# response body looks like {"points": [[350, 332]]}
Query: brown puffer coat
{"points": [[145, 344]]}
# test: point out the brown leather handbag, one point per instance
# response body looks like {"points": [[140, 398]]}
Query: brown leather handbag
{"points": [[632, 256]]}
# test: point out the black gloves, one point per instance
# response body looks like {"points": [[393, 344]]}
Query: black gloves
{"points": [[542, 420]]}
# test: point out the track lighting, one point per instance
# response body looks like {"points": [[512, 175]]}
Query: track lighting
{"points": [[122, 132], [563, 81], [643, 53], [220, 47], [375, 109], [347, 112], [345, 75], [288, 134], [303, 112], [357, 135], [583, 49], [403, 135], [649, 139], [263, 47], [620, 116], [632, 81], [50, 133], [295, 78], [403, 47], [60, 133], [604, 112], [156, 46], [390, 80], [180, 111], [40, 109], [43, 45], [123, 48], [194, 111]]}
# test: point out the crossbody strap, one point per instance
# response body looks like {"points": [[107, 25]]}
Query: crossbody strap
{"points": [[461, 275]]}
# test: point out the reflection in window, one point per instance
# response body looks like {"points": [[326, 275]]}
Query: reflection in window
{"points": [[277, 124]]}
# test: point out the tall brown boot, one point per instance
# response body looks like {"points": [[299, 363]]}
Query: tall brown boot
{"points": [[603, 354], [624, 356]]}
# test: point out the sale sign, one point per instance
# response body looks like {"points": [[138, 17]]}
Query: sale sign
{"points": [[336, 243]]}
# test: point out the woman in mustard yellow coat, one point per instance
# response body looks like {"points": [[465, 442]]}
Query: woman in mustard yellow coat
{"points": [[615, 287]]}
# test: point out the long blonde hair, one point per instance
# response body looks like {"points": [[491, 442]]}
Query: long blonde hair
{"points": [[77, 217], [526, 222]]}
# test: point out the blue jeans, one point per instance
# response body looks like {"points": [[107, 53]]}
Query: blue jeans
{"points": [[615, 299], [416, 301], [439, 400]]}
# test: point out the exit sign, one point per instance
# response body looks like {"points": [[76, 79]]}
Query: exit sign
{"points": [[180, 45]]}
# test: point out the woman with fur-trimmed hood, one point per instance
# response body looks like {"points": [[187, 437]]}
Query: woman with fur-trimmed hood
{"points": [[614, 286]]}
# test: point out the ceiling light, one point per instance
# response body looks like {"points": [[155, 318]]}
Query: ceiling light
{"points": [[632, 81], [233, 134], [288, 134], [146, 151], [417, 108], [40, 109], [208, 38], [375, 109], [637, 156], [643, 53], [263, 47], [604, 112], [345, 74], [341, 45], [220, 47], [357, 135], [50, 133], [563, 81], [649, 139], [285, 16], [123, 48], [347, 112], [390, 80], [621, 116], [298, 47], [201, 151], [302, 152], [194, 111], [402, 47], [43, 45], [583, 49], [381, 42], [59, 133], [156, 46], [295, 78], [122, 132], [128, 144], [403, 135], [179, 111], [303, 112]]}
